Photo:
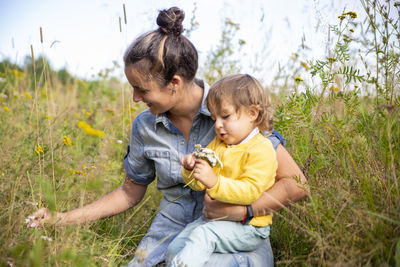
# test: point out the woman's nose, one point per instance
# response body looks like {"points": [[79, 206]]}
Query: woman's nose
{"points": [[137, 97]]}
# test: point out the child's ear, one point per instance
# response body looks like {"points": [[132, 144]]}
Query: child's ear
{"points": [[253, 113]]}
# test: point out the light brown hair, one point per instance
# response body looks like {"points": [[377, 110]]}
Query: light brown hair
{"points": [[242, 90]]}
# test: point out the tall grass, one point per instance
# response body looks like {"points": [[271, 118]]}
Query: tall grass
{"points": [[342, 129]]}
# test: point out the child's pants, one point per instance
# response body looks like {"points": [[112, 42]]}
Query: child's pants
{"points": [[195, 244]]}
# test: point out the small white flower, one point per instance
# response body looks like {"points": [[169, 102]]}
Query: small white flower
{"points": [[119, 141], [49, 239], [29, 219], [208, 155], [32, 203]]}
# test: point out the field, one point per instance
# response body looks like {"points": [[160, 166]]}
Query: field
{"points": [[63, 140]]}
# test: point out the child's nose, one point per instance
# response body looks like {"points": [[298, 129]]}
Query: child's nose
{"points": [[218, 123]]}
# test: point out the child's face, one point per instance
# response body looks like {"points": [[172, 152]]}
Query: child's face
{"points": [[231, 125]]}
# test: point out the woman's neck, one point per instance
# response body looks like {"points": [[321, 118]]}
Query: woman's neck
{"points": [[188, 104]]}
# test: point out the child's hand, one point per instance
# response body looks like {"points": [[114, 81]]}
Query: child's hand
{"points": [[204, 173], [188, 161]]}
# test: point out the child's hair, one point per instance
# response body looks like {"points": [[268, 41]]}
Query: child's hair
{"points": [[164, 52], [242, 90]]}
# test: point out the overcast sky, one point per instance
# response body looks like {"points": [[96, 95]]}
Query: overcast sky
{"points": [[84, 36]]}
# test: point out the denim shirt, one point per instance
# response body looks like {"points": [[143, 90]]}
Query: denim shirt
{"points": [[156, 147]]}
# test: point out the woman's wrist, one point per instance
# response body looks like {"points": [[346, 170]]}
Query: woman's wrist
{"points": [[248, 214], [244, 215], [59, 219]]}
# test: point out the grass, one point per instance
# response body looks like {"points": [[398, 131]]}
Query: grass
{"points": [[345, 139]]}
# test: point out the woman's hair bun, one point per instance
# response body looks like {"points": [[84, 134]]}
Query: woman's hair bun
{"points": [[170, 20]]}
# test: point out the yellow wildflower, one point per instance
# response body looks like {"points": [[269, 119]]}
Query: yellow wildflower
{"points": [[305, 65], [43, 93], [331, 59], [89, 130], [67, 141], [2, 74], [28, 95], [49, 117], [78, 172], [39, 149], [332, 88], [110, 111], [352, 14], [17, 74], [298, 79], [6, 108], [230, 22]]}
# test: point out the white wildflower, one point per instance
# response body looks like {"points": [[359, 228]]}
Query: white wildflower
{"points": [[208, 155], [29, 219], [205, 154], [119, 141], [32, 203], [46, 238]]}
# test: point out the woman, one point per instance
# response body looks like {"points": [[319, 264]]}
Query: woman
{"points": [[161, 66]]}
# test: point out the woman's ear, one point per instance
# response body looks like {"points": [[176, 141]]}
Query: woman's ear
{"points": [[175, 83], [253, 113]]}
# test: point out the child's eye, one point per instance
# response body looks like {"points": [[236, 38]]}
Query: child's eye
{"points": [[225, 116]]}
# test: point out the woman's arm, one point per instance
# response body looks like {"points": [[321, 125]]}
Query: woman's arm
{"points": [[119, 200], [290, 186]]}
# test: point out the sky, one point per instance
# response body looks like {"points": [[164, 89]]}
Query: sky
{"points": [[85, 36]]}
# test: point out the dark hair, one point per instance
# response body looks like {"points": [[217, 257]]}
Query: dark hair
{"points": [[242, 90], [164, 52]]}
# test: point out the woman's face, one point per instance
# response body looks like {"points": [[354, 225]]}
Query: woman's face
{"points": [[158, 99]]}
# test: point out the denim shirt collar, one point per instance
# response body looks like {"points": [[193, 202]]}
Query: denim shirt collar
{"points": [[162, 117]]}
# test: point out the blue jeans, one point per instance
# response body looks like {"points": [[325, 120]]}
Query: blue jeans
{"points": [[153, 249], [200, 239]]}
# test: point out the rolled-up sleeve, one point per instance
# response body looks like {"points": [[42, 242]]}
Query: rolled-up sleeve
{"points": [[276, 138], [138, 167]]}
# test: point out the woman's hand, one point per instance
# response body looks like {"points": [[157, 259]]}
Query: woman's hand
{"points": [[216, 210], [41, 217], [119, 200]]}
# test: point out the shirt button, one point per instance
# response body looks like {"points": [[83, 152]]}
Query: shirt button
{"points": [[182, 142]]}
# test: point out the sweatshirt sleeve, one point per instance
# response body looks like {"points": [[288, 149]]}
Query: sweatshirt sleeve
{"points": [[257, 173], [193, 183]]}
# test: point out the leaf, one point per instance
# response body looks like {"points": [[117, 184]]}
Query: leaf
{"points": [[397, 254]]}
